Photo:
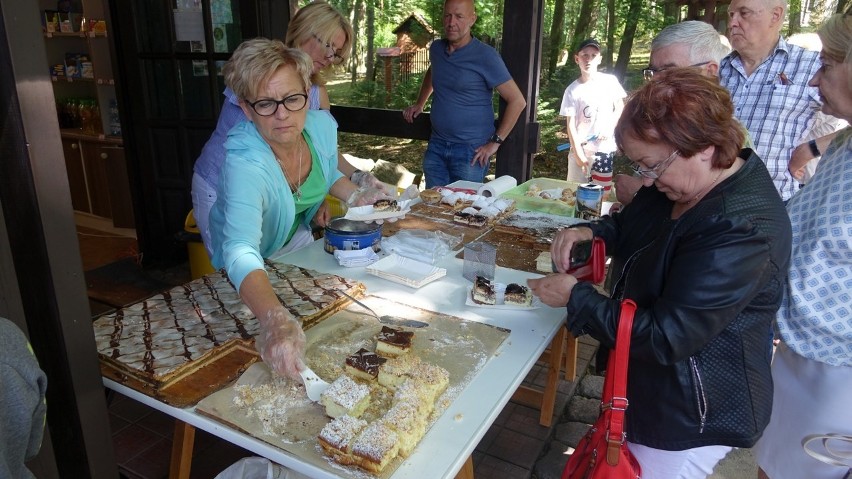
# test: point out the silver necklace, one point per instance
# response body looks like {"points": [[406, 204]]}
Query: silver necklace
{"points": [[699, 195], [296, 190]]}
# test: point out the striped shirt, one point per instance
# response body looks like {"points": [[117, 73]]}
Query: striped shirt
{"points": [[777, 106]]}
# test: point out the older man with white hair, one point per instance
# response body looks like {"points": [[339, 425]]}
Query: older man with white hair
{"points": [[686, 44], [768, 81]]}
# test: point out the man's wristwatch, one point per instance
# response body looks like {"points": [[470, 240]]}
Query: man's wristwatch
{"points": [[495, 138]]}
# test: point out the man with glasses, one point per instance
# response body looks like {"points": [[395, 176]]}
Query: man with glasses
{"points": [[686, 44], [768, 81], [591, 106], [463, 76]]}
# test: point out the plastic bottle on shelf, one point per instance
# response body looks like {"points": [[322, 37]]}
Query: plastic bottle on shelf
{"points": [[73, 113], [86, 116], [97, 124], [114, 119]]}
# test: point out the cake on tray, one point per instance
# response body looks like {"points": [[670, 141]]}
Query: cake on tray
{"points": [[165, 338]]}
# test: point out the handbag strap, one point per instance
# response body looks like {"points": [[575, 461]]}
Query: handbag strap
{"points": [[835, 457], [615, 392]]}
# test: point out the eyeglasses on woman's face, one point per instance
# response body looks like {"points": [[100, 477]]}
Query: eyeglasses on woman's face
{"points": [[268, 107], [657, 170], [648, 73], [330, 51]]}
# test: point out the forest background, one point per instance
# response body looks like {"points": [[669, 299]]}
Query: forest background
{"points": [[624, 28]]}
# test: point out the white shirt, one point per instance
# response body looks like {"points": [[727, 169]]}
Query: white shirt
{"points": [[592, 105]]}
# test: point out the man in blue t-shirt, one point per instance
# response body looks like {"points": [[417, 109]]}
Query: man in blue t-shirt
{"points": [[463, 76]]}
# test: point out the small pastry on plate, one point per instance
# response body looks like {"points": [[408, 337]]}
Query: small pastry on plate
{"points": [[385, 205], [517, 295], [483, 291], [430, 197]]}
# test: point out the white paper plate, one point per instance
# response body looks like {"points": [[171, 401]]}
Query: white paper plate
{"points": [[366, 213], [407, 271], [499, 289]]}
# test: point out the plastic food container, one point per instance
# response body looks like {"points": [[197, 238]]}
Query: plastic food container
{"points": [[351, 235], [534, 203]]}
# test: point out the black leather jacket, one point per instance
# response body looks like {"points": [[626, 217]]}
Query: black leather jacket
{"points": [[708, 285]]}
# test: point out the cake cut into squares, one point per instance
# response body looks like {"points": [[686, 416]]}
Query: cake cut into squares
{"points": [[345, 396], [416, 392], [375, 447], [364, 364], [406, 420], [517, 294], [483, 291], [337, 436], [393, 372], [431, 377], [393, 342]]}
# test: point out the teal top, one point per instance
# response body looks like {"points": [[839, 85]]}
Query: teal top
{"points": [[313, 191], [255, 212]]}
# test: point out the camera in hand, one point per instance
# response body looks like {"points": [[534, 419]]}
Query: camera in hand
{"points": [[581, 253]]}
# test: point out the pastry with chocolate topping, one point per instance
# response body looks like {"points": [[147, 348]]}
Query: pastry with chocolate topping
{"points": [[517, 294], [364, 364], [483, 291], [393, 342], [462, 217], [385, 206], [477, 220]]}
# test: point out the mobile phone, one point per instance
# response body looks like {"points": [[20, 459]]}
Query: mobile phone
{"points": [[581, 253]]}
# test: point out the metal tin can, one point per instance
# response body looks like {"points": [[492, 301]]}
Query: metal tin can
{"points": [[589, 201], [351, 235]]}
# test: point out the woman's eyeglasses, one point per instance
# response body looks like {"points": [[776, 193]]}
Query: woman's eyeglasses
{"points": [[267, 107], [657, 170], [648, 73], [331, 52]]}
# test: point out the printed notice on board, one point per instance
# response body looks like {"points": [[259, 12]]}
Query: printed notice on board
{"points": [[189, 26]]}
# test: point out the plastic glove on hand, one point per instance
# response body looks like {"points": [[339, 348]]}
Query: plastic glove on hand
{"points": [[281, 343], [366, 196], [366, 179]]}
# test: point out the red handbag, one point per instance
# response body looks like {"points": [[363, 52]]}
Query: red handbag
{"points": [[593, 270], [602, 453]]}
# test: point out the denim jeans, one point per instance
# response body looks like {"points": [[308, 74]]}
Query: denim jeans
{"points": [[446, 162]]}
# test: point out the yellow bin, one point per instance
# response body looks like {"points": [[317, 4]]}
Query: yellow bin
{"points": [[199, 262], [335, 206]]}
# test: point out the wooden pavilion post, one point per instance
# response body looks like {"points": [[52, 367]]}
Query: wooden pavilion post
{"points": [[522, 20]]}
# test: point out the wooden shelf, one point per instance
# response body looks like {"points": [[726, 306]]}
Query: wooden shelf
{"points": [[75, 34], [76, 134]]}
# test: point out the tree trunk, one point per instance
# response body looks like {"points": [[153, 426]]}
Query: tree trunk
{"points": [[370, 60], [611, 24], [556, 37], [794, 23], [356, 20], [584, 20], [633, 13]]}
